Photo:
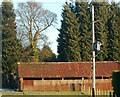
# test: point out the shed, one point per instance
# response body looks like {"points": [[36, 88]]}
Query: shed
{"points": [[64, 76]]}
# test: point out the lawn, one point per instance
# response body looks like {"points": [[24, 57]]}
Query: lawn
{"points": [[43, 93]]}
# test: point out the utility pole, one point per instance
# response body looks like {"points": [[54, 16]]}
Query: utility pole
{"points": [[93, 54]]}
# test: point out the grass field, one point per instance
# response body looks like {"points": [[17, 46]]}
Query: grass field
{"points": [[60, 93], [43, 93]]}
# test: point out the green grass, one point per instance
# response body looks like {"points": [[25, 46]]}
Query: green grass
{"points": [[43, 93], [102, 92], [51, 93]]}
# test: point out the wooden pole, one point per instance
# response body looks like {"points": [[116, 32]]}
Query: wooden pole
{"points": [[93, 54]]}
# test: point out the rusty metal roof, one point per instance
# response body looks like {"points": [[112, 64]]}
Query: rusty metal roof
{"points": [[65, 69]]}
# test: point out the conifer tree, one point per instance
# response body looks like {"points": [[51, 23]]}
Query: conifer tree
{"points": [[10, 43], [0, 34], [83, 13], [118, 22], [68, 41], [101, 15], [113, 35], [46, 54], [106, 32], [62, 44]]}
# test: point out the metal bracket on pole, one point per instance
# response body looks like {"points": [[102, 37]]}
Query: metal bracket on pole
{"points": [[97, 21]]}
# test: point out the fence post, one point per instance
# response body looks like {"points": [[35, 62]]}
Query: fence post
{"points": [[84, 88], [113, 94], [89, 90], [105, 93], [110, 93], [98, 92]]}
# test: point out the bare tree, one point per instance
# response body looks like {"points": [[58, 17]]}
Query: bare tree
{"points": [[32, 21]]}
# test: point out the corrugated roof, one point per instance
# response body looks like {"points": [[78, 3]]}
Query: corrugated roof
{"points": [[65, 69]]}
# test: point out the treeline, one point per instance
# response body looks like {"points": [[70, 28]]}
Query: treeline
{"points": [[13, 48], [116, 82], [75, 39]]}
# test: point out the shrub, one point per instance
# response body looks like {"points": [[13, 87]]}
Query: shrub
{"points": [[116, 82]]}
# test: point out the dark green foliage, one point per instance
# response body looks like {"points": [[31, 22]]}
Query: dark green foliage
{"points": [[116, 82], [101, 28], [68, 41], [4, 81], [46, 55], [119, 34], [83, 13], [74, 41], [8, 81], [113, 35], [106, 30], [10, 44], [0, 46], [28, 53]]}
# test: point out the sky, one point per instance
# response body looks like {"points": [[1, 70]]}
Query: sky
{"points": [[56, 7]]}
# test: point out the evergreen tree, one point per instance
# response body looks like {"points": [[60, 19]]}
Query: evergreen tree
{"points": [[10, 43], [118, 22], [28, 54], [101, 31], [68, 41], [0, 34], [62, 39], [74, 40], [113, 35], [46, 55], [83, 13]]}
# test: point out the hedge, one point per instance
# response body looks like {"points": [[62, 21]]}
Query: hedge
{"points": [[8, 81], [116, 82]]}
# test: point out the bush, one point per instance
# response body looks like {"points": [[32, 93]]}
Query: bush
{"points": [[8, 81], [116, 82]]}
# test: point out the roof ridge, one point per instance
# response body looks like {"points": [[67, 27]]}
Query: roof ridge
{"points": [[63, 62]]}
